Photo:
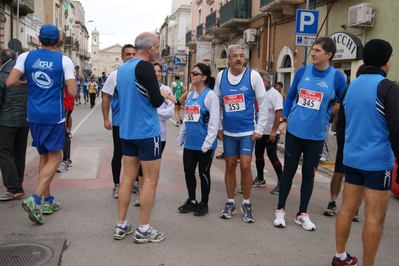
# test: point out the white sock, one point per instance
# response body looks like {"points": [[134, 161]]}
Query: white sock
{"points": [[122, 224], [341, 256], [144, 228], [231, 200], [245, 201]]}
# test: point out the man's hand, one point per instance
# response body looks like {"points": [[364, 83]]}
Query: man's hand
{"points": [[273, 136], [108, 124], [283, 127], [256, 136], [220, 135], [167, 95]]}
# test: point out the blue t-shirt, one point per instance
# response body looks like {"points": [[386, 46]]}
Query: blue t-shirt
{"points": [[45, 77], [309, 102]]}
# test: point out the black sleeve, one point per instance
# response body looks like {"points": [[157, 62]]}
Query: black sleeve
{"points": [[145, 75], [388, 94], [340, 126]]}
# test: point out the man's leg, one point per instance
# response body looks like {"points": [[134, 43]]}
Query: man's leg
{"points": [[230, 175], [352, 198], [376, 204], [48, 164], [335, 185], [246, 175], [131, 167], [147, 195]]}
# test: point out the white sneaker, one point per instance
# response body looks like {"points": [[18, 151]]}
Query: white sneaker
{"points": [[280, 218], [305, 221], [323, 159]]}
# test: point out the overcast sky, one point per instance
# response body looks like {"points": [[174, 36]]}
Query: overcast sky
{"points": [[120, 21]]}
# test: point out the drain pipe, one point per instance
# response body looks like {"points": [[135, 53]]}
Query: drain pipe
{"points": [[268, 43]]}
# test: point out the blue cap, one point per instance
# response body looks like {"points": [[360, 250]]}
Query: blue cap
{"points": [[49, 32]]}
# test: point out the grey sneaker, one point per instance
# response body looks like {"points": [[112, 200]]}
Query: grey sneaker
{"points": [[137, 203], [331, 209], [356, 217], [228, 211], [136, 188], [63, 167], [115, 190], [151, 235], [120, 232], [246, 209], [34, 211], [276, 190], [258, 183], [49, 208]]}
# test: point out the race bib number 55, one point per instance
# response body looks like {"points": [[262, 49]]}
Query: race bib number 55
{"points": [[310, 99], [192, 113], [234, 103]]}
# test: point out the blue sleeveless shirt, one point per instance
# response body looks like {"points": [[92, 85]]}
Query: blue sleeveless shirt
{"points": [[238, 103], [196, 120], [138, 118], [45, 77]]}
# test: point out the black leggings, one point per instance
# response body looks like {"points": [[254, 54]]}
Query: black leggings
{"points": [[116, 162], [271, 150], [311, 150], [204, 160], [92, 99]]}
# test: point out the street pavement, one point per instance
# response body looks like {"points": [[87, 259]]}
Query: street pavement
{"points": [[89, 213]]}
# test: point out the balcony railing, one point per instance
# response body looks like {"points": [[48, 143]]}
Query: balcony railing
{"points": [[277, 5], [235, 9], [200, 31], [211, 21], [189, 37], [209, 2], [25, 7]]}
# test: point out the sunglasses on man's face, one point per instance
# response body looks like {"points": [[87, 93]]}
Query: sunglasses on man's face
{"points": [[195, 73]]}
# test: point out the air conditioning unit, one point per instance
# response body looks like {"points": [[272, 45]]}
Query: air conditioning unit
{"points": [[360, 15], [249, 36]]}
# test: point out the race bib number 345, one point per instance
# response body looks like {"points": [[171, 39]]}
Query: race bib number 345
{"points": [[192, 113], [234, 103], [310, 99]]}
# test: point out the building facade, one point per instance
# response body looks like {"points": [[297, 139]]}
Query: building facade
{"points": [[266, 28]]}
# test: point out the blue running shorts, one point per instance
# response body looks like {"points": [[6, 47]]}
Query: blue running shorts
{"points": [[377, 180], [146, 149], [47, 138], [234, 146]]}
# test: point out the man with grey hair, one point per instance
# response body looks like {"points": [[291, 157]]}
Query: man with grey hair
{"points": [[238, 87], [14, 130], [270, 135], [139, 131]]}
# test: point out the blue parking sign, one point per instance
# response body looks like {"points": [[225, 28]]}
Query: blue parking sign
{"points": [[306, 21]]}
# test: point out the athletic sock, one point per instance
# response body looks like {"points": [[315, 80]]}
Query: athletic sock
{"points": [[231, 200], [341, 256], [49, 199], [144, 228], [37, 199], [122, 224], [246, 201]]}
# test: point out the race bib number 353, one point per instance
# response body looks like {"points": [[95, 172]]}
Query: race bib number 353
{"points": [[192, 113], [310, 99], [234, 103]]}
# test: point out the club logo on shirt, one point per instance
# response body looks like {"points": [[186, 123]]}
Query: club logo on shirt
{"points": [[44, 65], [307, 79], [42, 79], [244, 88], [322, 84]]}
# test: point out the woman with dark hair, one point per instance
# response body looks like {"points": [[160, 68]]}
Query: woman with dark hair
{"points": [[198, 133]]}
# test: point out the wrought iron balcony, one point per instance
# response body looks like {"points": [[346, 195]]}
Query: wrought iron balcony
{"points": [[209, 1], [25, 7], [287, 7], [235, 10], [211, 22], [189, 37], [200, 31]]}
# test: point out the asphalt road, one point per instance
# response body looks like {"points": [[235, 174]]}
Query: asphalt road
{"points": [[89, 214]]}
